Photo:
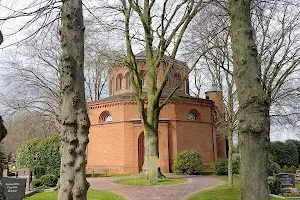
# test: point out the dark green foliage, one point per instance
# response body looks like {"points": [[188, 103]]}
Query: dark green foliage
{"points": [[49, 180], [221, 167], [236, 166], [3, 160], [285, 153], [36, 183], [188, 162], [297, 144], [38, 171], [274, 186], [287, 169], [40, 151], [273, 167]]}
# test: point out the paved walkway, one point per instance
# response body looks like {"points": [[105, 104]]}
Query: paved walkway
{"points": [[172, 192]]}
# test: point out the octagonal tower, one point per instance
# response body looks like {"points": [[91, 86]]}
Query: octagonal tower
{"points": [[116, 132]]}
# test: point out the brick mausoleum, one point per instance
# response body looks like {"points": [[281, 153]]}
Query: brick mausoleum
{"points": [[116, 133]]}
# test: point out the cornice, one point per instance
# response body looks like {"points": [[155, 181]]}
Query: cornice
{"points": [[124, 102]]}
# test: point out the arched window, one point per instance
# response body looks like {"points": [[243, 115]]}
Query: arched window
{"points": [[119, 82], [186, 86], [193, 115], [127, 81], [105, 117], [177, 79], [143, 78]]}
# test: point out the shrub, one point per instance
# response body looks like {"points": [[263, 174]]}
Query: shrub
{"points": [[287, 169], [274, 186], [293, 169], [285, 153], [188, 162], [38, 171], [40, 151], [236, 166], [273, 167], [35, 183], [49, 180], [221, 167]]}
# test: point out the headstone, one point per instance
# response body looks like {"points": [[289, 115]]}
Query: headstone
{"points": [[286, 180], [14, 188], [25, 173], [4, 173]]}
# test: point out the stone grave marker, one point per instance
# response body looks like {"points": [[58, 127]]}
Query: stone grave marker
{"points": [[25, 173], [14, 188], [287, 180], [4, 173]]}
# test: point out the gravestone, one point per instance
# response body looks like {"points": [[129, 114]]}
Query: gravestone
{"points": [[14, 188], [287, 180], [25, 173], [4, 173]]}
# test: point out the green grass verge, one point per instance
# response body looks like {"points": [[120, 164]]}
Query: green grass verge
{"points": [[91, 195], [222, 192], [145, 182]]}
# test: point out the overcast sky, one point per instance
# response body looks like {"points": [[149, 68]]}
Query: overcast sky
{"points": [[8, 7]]}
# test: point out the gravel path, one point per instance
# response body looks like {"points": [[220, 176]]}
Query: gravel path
{"points": [[172, 192]]}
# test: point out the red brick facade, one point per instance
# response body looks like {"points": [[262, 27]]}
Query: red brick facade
{"points": [[116, 132]]}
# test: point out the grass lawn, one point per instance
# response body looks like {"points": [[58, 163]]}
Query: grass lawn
{"points": [[221, 192], [144, 182], [91, 195]]}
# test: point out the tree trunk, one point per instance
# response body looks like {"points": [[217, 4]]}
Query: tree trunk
{"points": [[254, 104], [230, 174], [151, 166], [1, 37], [3, 133], [74, 119]]}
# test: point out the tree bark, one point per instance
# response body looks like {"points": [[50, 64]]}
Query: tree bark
{"points": [[74, 119], [230, 174], [3, 133], [1, 37], [254, 120]]}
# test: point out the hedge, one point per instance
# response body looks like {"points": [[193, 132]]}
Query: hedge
{"points": [[40, 151]]}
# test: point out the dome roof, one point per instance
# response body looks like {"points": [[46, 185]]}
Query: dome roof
{"points": [[214, 88]]}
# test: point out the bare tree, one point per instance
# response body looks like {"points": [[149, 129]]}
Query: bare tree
{"points": [[24, 127], [163, 24]]}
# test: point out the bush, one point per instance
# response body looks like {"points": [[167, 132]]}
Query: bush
{"points": [[236, 166], [188, 162], [287, 169], [35, 183], [40, 151], [273, 167], [274, 186], [38, 171], [221, 167], [285, 153], [49, 180]]}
